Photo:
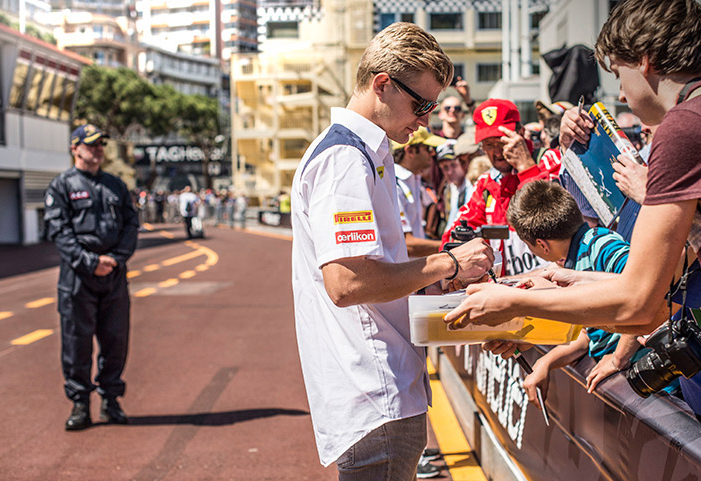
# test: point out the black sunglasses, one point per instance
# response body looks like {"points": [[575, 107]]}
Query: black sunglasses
{"points": [[455, 108], [423, 106]]}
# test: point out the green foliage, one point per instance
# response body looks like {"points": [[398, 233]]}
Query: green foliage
{"points": [[112, 98], [5, 20], [199, 119], [119, 100], [162, 108], [36, 33]]}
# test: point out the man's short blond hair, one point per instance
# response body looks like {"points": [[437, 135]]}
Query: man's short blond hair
{"points": [[404, 51]]}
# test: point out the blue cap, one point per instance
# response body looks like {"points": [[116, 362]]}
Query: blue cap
{"points": [[87, 134]]}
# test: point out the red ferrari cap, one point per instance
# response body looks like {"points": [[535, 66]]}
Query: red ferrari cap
{"points": [[492, 114]]}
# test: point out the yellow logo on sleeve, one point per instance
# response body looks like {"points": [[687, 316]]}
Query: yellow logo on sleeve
{"points": [[361, 216], [381, 171]]}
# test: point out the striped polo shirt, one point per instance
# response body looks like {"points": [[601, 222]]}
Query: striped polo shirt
{"points": [[598, 249]]}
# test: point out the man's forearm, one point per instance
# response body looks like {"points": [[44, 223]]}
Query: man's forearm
{"points": [[355, 281], [79, 258], [635, 296]]}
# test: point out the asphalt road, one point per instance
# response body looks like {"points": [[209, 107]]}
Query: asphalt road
{"points": [[214, 387]]}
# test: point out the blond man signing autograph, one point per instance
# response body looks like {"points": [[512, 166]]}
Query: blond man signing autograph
{"points": [[366, 383]]}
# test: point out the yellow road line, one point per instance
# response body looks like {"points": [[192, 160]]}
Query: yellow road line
{"points": [[184, 257], [147, 226], [166, 234], [212, 257], [32, 337], [44, 301], [456, 451], [168, 283], [187, 274], [132, 274], [6, 314], [147, 291]]}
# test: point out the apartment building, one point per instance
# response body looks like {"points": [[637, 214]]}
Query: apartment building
{"points": [[281, 97], [281, 18], [239, 32], [113, 8], [188, 74], [214, 28], [107, 40], [474, 34], [39, 87], [334, 33], [26, 10]]}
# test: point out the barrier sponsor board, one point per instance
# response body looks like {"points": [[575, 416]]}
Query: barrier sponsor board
{"points": [[612, 434], [174, 153]]}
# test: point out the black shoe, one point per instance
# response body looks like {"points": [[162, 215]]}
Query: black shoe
{"points": [[427, 470], [79, 418], [111, 412], [430, 454]]}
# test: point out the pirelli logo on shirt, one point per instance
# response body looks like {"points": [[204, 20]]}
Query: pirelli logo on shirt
{"points": [[345, 237], [361, 216]]}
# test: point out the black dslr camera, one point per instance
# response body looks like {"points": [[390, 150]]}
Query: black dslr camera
{"points": [[676, 352], [464, 233]]}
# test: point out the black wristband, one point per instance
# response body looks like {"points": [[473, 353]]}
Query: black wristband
{"points": [[471, 104], [457, 265]]}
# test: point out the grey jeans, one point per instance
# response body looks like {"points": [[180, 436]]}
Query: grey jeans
{"points": [[389, 453]]}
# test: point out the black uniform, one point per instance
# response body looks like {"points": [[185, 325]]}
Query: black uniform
{"points": [[88, 216]]}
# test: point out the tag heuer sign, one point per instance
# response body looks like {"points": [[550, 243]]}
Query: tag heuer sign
{"points": [[145, 154]]}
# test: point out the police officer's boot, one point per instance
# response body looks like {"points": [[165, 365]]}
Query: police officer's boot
{"points": [[111, 412], [80, 417]]}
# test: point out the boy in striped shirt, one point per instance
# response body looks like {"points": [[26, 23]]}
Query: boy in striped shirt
{"points": [[546, 217]]}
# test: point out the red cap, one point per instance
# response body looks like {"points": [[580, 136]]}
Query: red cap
{"points": [[492, 114]]}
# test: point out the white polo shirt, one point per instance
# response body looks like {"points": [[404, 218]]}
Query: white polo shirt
{"points": [[410, 203], [360, 368]]}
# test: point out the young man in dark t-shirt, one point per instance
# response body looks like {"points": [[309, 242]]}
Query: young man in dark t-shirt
{"points": [[653, 48]]}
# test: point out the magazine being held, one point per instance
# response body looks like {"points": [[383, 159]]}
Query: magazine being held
{"points": [[591, 165]]}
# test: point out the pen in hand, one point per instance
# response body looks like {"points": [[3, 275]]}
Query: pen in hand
{"points": [[525, 365], [492, 276], [580, 105]]}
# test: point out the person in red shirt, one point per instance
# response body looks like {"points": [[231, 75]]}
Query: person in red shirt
{"points": [[498, 128]]}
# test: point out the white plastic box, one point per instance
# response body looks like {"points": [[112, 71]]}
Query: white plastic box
{"points": [[428, 328]]}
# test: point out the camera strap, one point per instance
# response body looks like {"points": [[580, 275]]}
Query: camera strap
{"points": [[681, 286], [686, 88]]}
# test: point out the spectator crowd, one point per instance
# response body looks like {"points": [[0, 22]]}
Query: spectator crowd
{"points": [[492, 169], [214, 207]]}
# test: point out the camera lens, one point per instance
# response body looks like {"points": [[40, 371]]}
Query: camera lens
{"points": [[650, 374]]}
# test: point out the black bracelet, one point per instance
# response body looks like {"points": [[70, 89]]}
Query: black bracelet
{"points": [[457, 265]]}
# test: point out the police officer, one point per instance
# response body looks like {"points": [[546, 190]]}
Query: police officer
{"points": [[91, 218]]}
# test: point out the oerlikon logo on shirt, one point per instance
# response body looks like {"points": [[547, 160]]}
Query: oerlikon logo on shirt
{"points": [[344, 237], [352, 217]]}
